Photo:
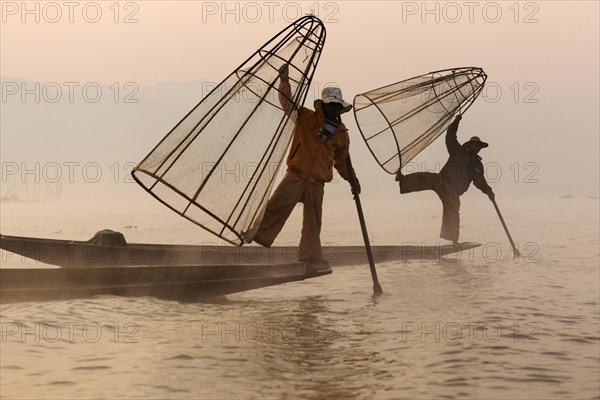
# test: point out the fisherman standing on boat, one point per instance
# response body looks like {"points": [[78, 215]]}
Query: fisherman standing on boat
{"points": [[463, 167], [319, 143]]}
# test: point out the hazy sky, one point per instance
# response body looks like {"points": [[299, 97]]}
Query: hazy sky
{"points": [[539, 113]]}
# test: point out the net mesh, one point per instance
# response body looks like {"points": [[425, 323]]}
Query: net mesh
{"points": [[218, 165], [398, 121]]}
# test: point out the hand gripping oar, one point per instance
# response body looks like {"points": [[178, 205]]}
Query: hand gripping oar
{"points": [[515, 250], [377, 290]]}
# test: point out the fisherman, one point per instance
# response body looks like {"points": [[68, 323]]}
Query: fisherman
{"points": [[320, 142], [463, 167]]}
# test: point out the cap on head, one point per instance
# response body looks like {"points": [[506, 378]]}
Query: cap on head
{"points": [[475, 140], [332, 94]]}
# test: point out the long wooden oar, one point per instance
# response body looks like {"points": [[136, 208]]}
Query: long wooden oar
{"points": [[515, 250], [377, 290]]}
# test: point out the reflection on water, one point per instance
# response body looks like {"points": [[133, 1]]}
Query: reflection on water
{"points": [[308, 351]]}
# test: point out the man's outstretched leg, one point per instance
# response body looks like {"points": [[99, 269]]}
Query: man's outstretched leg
{"points": [[450, 200], [280, 206], [417, 182]]}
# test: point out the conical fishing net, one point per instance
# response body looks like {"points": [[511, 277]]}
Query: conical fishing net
{"points": [[400, 120], [217, 167]]}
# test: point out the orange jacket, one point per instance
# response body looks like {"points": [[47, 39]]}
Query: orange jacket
{"points": [[312, 158]]}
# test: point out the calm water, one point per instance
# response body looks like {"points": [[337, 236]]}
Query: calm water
{"points": [[482, 325]]}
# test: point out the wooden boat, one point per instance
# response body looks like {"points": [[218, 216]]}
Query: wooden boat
{"points": [[183, 283], [107, 264], [108, 249]]}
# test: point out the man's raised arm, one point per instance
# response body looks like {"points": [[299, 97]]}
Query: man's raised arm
{"points": [[285, 90], [451, 140]]}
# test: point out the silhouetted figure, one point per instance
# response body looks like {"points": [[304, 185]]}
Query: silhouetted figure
{"points": [[463, 167]]}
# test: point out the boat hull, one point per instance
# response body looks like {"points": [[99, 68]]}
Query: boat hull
{"points": [[182, 283], [71, 254]]}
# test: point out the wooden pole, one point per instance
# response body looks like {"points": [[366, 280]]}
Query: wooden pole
{"points": [[377, 290], [515, 250]]}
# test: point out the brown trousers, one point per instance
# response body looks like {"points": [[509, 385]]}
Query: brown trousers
{"points": [[450, 200], [292, 190]]}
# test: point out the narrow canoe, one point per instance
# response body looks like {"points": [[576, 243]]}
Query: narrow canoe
{"points": [[183, 283], [109, 249]]}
